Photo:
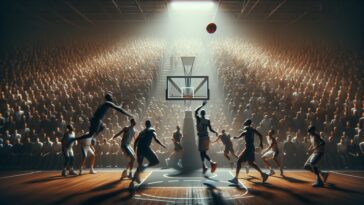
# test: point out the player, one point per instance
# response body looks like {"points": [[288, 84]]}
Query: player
{"points": [[87, 149], [203, 137], [272, 152], [96, 124], [178, 149], [317, 148], [67, 150], [226, 141], [128, 135], [142, 147], [248, 154]]}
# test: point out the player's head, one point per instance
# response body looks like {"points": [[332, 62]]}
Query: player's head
{"points": [[132, 122], [247, 122], [148, 123], [203, 113], [222, 131], [178, 128], [69, 128], [108, 96], [311, 129]]}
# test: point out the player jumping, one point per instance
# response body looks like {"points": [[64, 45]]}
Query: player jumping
{"points": [[317, 148], [128, 136], [143, 150], [203, 137], [96, 124], [272, 152], [248, 154]]}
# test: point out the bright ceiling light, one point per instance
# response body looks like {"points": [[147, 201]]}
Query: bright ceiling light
{"points": [[192, 5]]}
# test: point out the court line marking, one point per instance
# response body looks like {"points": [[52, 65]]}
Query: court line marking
{"points": [[18, 175], [242, 184], [156, 182], [349, 175], [166, 176]]}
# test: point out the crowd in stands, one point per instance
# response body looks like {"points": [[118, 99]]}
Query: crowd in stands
{"points": [[46, 86], [286, 88], [289, 87]]}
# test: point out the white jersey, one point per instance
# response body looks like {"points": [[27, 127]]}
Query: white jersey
{"points": [[128, 136]]}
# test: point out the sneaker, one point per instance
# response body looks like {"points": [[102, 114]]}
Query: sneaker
{"points": [[124, 174], [72, 172], [92, 171], [271, 172], [234, 180], [213, 167], [247, 170], [131, 187], [64, 173], [325, 175], [281, 170], [318, 183], [80, 172], [264, 177], [137, 178]]}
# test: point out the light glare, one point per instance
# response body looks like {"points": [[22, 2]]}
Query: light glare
{"points": [[192, 6]]}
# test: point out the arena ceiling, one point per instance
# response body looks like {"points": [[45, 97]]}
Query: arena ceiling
{"points": [[78, 13]]}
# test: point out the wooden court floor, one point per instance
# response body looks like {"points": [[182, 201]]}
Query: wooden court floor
{"points": [[158, 187]]}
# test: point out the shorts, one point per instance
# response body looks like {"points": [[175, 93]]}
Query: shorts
{"points": [[68, 152], [86, 151], [229, 149], [96, 126], [247, 155], [314, 158], [146, 152], [203, 144], [128, 150], [271, 154]]}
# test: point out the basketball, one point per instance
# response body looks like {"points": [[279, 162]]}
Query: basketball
{"points": [[211, 28]]}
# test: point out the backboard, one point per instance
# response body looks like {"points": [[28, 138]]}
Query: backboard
{"points": [[187, 88]]}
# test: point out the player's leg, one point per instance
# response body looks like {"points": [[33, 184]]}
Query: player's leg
{"points": [[92, 160], [277, 162], [65, 164], [311, 166], [151, 157], [238, 167], [256, 167], [140, 159], [83, 160], [71, 161], [266, 157]]}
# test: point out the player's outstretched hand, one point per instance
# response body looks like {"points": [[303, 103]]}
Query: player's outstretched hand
{"points": [[236, 137], [204, 102]]}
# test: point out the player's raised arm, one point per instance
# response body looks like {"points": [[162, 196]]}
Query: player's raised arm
{"points": [[199, 108], [120, 109]]}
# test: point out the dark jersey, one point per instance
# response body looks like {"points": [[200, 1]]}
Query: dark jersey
{"points": [[177, 136], [102, 109], [225, 139], [249, 137], [202, 125], [145, 138]]}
